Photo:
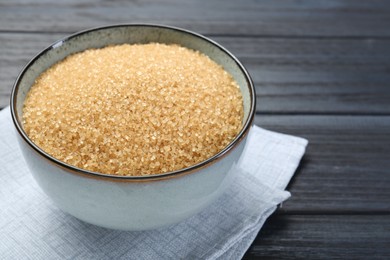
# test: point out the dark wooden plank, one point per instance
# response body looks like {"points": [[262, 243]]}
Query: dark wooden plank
{"points": [[317, 76], [322, 237], [340, 18], [346, 167], [294, 76], [15, 51]]}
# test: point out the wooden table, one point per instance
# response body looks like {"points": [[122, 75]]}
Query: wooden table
{"points": [[322, 71]]}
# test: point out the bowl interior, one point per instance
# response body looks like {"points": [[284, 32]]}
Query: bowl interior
{"points": [[119, 34]]}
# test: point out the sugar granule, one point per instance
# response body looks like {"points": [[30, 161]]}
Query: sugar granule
{"points": [[134, 109]]}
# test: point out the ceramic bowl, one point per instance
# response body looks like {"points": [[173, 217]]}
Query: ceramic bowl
{"points": [[123, 202]]}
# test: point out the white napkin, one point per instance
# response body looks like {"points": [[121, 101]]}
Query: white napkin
{"points": [[32, 227]]}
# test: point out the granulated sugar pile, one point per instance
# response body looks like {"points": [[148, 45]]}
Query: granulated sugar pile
{"points": [[134, 109]]}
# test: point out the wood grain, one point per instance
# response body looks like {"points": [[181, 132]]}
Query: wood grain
{"points": [[295, 76], [322, 237], [339, 18], [346, 165]]}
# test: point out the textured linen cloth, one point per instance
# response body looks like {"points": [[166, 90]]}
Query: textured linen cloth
{"points": [[32, 227]]}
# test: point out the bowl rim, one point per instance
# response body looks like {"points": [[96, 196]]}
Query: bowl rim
{"points": [[153, 177]]}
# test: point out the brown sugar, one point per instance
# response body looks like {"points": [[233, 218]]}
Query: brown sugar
{"points": [[134, 109]]}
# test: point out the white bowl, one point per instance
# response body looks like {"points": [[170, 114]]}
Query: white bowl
{"points": [[127, 202]]}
